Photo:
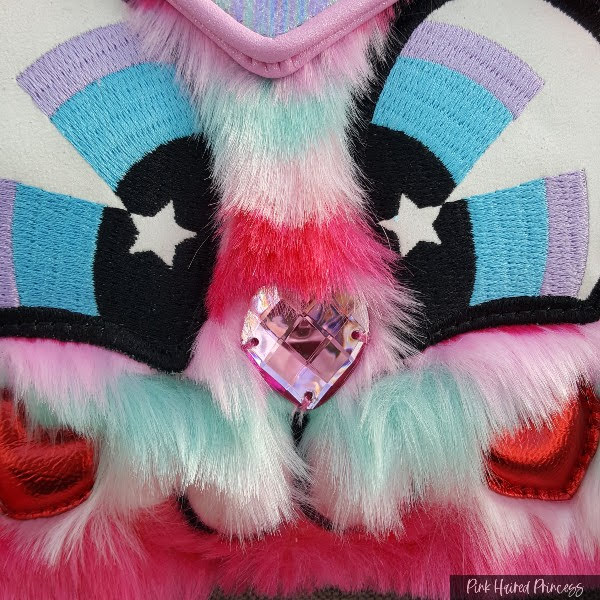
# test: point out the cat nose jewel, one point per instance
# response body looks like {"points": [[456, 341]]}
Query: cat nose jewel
{"points": [[304, 350]]}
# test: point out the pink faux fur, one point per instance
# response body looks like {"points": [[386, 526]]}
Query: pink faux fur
{"points": [[62, 371], [540, 366], [312, 262], [279, 151], [292, 207], [175, 561], [219, 362], [518, 373]]}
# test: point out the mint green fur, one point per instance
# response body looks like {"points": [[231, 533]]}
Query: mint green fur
{"points": [[412, 435], [271, 126], [167, 431]]}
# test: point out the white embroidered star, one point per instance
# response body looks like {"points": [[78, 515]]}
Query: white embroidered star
{"points": [[159, 234], [413, 224]]}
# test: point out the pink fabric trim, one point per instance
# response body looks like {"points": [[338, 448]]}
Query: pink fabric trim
{"points": [[284, 54], [63, 371], [172, 560]]}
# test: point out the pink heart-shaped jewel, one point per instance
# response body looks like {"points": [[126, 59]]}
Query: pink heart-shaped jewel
{"points": [[304, 350]]}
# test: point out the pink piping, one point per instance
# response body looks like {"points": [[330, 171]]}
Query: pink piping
{"points": [[286, 53]]}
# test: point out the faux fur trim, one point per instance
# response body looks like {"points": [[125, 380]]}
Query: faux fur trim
{"points": [[166, 434], [420, 435], [537, 365], [280, 147], [319, 261], [278, 54], [64, 372], [175, 39], [219, 362], [291, 209], [175, 561]]}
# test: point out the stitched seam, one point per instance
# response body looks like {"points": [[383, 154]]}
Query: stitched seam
{"points": [[103, 329], [351, 26], [50, 512]]}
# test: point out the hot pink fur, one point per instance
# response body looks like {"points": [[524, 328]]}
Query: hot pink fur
{"points": [[176, 561], [313, 262]]}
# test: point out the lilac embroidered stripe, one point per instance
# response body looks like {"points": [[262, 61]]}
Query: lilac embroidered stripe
{"points": [[273, 17], [502, 73], [70, 67], [566, 196], [9, 298]]}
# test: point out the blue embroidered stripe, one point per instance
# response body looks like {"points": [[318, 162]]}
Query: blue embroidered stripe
{"points": [[54, 245], [456, 118], [510, 233], [117, 120]]}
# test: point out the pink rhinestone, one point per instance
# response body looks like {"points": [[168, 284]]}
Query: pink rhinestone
{"points": [[304, 352]]}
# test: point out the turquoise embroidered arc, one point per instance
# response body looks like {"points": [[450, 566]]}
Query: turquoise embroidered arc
{"points": [[74, 270], [455, 92], [103, 97], [114, 109]]}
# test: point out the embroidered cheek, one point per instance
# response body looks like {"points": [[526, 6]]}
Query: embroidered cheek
{"points": [[548, 463], [41, 474]]}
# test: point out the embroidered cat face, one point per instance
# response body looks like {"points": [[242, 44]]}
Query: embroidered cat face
{"points": [[480, 155]]}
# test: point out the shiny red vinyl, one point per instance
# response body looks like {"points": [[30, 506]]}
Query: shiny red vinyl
{"points": [[550, 462], [42, 473]]}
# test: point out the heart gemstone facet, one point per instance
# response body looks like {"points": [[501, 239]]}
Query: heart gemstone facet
{"points": [[550, 462], [304, 350]]}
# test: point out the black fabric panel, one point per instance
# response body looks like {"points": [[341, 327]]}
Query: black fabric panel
{"points": [[192, 518], [335, 594], [420, 174], [524, 310], [443, 275], [325, 594], [177, 171], [162, 304], [66, 326], [143, 295]]}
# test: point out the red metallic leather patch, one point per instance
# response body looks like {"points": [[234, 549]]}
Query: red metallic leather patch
{"points": [[44, 473], [548, 463]]}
